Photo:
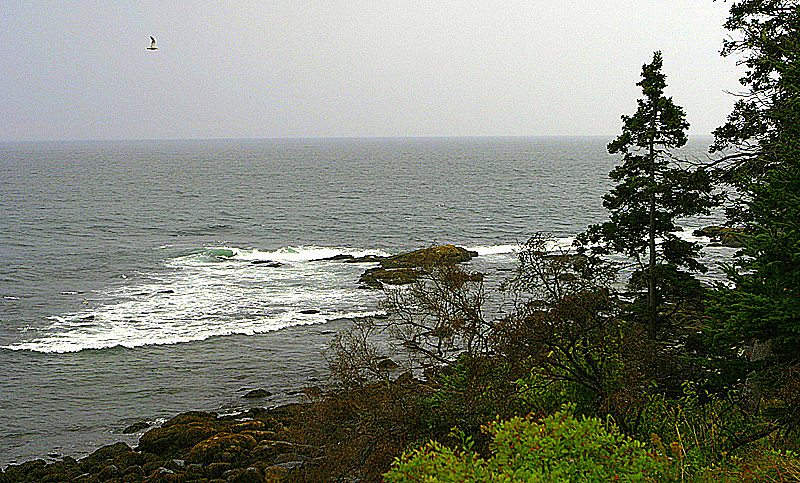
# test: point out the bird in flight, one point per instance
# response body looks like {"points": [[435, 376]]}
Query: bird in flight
{"points": [[152, 44]]}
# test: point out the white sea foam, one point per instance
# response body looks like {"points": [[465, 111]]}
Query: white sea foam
{"points": [[559, 243], [218, 291], [215, 292], [484, 251]]}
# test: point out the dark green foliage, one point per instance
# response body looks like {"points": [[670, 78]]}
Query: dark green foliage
{"points": [[469, 393], [653, 192], [763, 134]]}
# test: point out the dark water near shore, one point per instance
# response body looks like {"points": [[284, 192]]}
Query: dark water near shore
{"points": [[127, 285]]}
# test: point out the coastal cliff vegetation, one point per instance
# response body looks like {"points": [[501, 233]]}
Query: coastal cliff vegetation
{"points": [[563, 372]]}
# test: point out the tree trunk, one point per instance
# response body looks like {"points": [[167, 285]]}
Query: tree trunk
{"points": [[652, 307]]}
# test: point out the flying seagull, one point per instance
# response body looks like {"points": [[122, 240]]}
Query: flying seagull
{"points": [[152, 44]]}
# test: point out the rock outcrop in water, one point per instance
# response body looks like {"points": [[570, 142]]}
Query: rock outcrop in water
{"points": [[722, 235], [405, 268]]}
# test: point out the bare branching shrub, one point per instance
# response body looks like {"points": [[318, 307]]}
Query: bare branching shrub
{"points": [[440, 315], [547, 273], [356, 357]]}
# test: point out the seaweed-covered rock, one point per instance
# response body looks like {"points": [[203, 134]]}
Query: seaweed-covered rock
{"points": [[376, 277], [245, 475], [222, 447], [179, 434], [192, 447], [427, 257]]}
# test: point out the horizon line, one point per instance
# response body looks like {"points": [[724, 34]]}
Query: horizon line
{"points": [[332, 138]]}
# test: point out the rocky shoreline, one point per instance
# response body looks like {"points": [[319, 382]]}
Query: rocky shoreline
{"points": [[195, 446]]}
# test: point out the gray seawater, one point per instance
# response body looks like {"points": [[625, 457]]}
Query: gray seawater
{"points": [[128, 290]]}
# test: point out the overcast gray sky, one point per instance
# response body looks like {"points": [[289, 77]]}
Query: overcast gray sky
{"points": [[256, 69]]}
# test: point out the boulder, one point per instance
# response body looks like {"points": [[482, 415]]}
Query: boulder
{"points": [[353, 259], [216, 470], [266, 263], [722, 235], [257, 393], [179, 433], [136, 427], [376, 277], [105, 456], [222, 447], [387, 364]]}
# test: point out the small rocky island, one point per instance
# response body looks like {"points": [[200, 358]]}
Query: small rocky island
{"points": [[407, 267]]}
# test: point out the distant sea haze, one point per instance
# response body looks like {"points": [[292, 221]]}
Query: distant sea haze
{"points": [[144, 278]]}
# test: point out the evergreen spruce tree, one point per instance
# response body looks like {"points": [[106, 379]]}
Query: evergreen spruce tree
{"points": [[762, 142], [653, 191]]}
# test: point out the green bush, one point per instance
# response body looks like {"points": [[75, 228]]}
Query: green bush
{"points": [[559, 448]]}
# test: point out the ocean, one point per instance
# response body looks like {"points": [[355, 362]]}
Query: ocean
{"points": [[135, 281]]}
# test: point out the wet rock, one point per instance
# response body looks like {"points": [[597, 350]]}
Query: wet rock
{"points": [[289, 465], [216, 470], [164, 475], [133, 473], [336, 258], [165, 292], [722, 235], [352, 259], [387, 364], [257, 393], [252, 425], [266, 263], [260, 435], [21, 472], [105, 455], [136, 427], [309, 311], [269, 449], [194, 471], [376, 277], [366, 259], [246, 475]]}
